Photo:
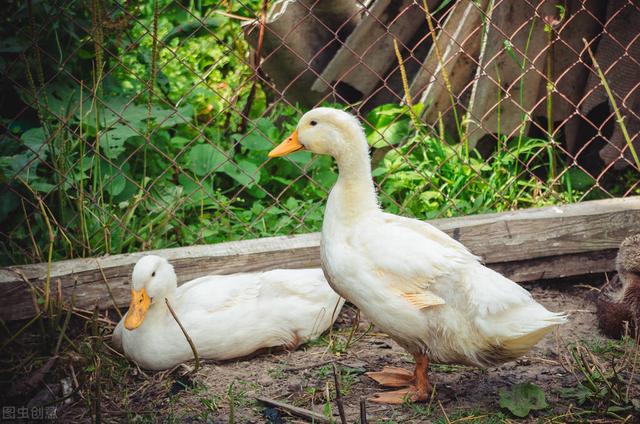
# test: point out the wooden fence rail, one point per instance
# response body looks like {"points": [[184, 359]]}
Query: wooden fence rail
{"points": [[525, 245]]}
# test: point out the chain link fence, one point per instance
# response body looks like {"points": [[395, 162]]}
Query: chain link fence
{"points": [[134, 125]]}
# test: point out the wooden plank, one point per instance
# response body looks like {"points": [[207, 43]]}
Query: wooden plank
{"points": [[497, 104], [367, 54], [583, 20], [549, 231], [459, 45], [561, 266], [528, 244], [300, 38]]}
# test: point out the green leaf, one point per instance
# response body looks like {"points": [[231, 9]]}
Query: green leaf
{"points": [[254, 141], [244, 172], [196, 193], [384, 115], [113, 140], [167, 118], [389, 135], [204, 158], [13, 44], [113, 177], [522, 398], [580, 180], [300, 157], [35, 140], [580, 393]]}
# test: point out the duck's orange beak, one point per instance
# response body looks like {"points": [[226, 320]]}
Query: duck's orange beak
{"points": [[290, 145], [140, 302]]}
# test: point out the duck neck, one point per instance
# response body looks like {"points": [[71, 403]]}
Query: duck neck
{"points": [[354, 193]]}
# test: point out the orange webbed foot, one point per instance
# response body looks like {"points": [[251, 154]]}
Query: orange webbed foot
{"points": [[392, 377]]}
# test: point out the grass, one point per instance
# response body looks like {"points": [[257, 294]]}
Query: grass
{"points": [[152, 151], [102, 385], [112, 164]]}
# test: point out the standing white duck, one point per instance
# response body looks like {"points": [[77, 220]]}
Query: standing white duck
{"points": [[423, 288], [226, 316]]}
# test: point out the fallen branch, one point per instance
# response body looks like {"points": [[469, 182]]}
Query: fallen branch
{"points": [[294, 410], [336, 379], [186, 335], [363, 410]]}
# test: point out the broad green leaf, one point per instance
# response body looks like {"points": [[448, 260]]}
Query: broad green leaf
{"points": [[244, 172], [580, 180], [112, 141], [204, 158], [522, 398], [196, 192], [41, 186], [255, 141], [383, 115], [113, 178], [167, 118], [300, 157], [35, 139], [389, 135]]}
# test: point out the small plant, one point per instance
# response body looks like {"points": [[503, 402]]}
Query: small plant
{"points": [[523, 398], [602, 384]]}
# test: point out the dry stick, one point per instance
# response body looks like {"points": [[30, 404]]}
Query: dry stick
{"points": [[445, 75], [186, 335], [363, 410], [633, 369], [106, 283], [257, 55], [619, 117], [446, 417], [52, 238], [336, 379], [405, 85], [294, 410]]}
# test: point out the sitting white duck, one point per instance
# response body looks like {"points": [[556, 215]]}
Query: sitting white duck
{"points": [[423, 288], [226, 316]]}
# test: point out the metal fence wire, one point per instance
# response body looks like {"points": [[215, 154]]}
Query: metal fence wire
{"points": [[130, 125]]}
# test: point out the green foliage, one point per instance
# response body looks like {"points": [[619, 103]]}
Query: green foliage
{"points": [[602, 382], [121, 160], [522, 399]]}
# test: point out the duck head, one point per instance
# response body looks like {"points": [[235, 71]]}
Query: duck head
{"points": [[153, 278], [325, 131]]}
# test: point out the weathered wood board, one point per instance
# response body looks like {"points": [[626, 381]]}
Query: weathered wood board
{"points": [[300, 38], [458, 48], [525, 245], [505, 93], [569, 72], [367, 54]]}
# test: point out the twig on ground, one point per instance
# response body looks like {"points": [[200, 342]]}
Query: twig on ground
{"points": [[106, 283], [306, 367], [363, 410], [294, 410], [336, 379], [186, 335], [444, 413]]}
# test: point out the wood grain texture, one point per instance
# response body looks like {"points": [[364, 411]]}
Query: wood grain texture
{"points": [[368, 53], [497, 104], [459, 47], [525, 245]]}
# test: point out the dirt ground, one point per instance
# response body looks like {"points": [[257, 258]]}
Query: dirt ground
{"points": [[305, 377], [227, 392]]}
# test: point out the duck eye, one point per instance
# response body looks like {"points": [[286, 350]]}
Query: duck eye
{"points": [[313, 123], [153, 274]]}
